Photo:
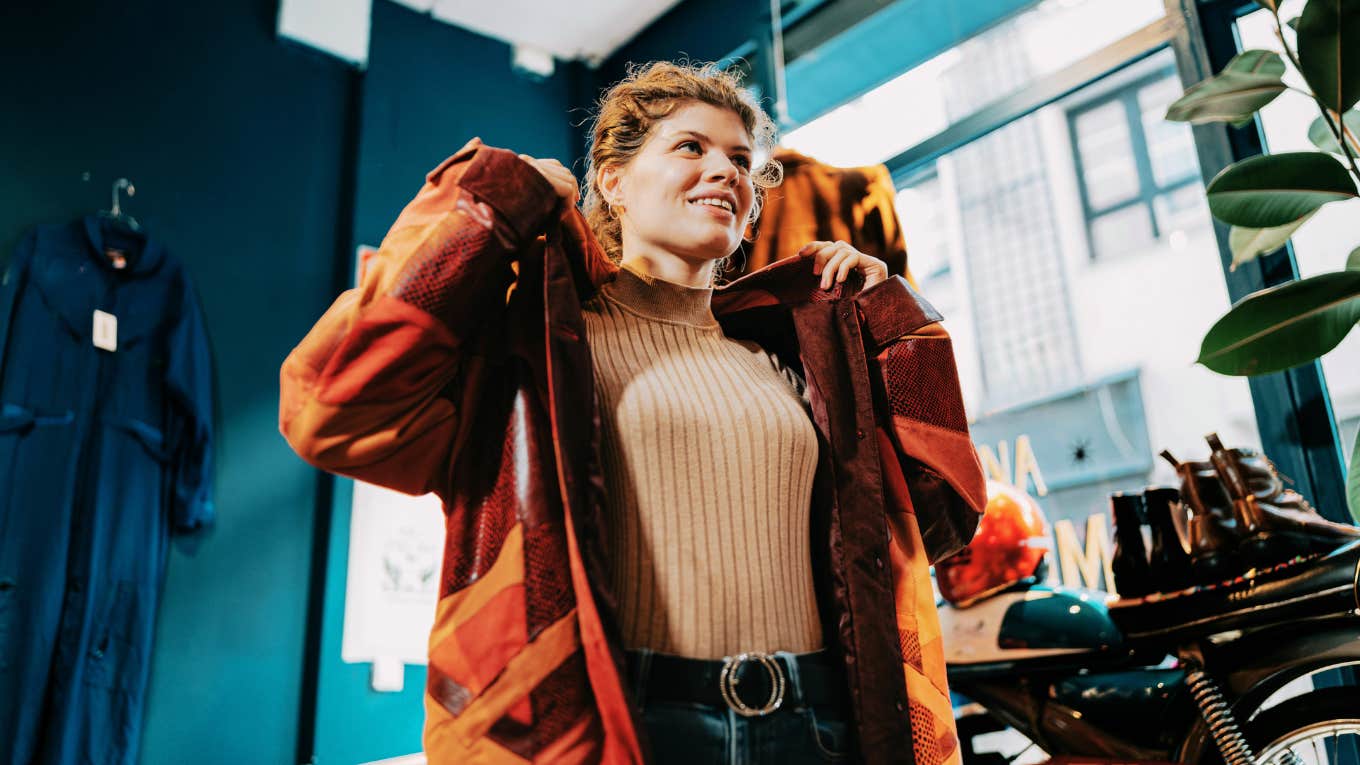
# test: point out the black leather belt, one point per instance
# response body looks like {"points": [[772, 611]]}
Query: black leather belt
{"points": [[751, 684]]}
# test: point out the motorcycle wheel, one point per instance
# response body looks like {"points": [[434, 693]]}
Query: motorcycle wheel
{"points": [[1321, 727]]}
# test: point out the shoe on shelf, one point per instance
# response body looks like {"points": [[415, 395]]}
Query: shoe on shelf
{"points": [[1132, 574], [1274, 524], [1212, 528], [1169, 558]]}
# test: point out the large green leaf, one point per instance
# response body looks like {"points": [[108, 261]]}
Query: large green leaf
{"points": [[1276, 189], [1353, 481], [1257, 61], [1251, 80], [1283, 326], [1353, 260], [1247, 244], [1322, 137], [1329, 51]]}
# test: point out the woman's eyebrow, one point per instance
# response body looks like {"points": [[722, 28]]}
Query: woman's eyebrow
{"points": [[696, 134]]}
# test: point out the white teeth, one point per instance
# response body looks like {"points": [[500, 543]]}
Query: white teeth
{"points": [[723, 203]]}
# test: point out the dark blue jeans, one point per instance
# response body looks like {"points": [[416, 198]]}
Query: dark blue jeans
{"points": [[687, 733]]}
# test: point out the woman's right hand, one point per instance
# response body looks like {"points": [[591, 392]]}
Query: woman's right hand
{"points": [[563, 182]]}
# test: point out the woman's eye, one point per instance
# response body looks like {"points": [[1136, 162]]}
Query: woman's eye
{"points": [[743, 162], [692, 144]]}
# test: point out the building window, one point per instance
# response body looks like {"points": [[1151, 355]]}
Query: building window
{"points": [[1137, 172]]}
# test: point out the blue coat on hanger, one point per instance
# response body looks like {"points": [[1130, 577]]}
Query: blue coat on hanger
{"points": [[105, 451]]}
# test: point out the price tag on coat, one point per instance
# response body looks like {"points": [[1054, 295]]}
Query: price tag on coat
{"points": [[105, 331]]}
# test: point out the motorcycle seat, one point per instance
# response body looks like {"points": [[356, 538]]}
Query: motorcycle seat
{"points": [[1328, 585]]}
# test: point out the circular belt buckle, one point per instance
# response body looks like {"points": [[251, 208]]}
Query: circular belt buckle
{"points": [[727, 684]]}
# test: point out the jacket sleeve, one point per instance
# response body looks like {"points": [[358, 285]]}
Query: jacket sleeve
{"points": [[923, 417], [376, 390], [12, 279], [189, 438]]}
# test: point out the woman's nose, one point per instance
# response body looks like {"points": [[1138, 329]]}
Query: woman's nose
{"points": [[722, 169]]}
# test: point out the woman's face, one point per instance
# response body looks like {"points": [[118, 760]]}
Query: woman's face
{"points": [[688, 190]]}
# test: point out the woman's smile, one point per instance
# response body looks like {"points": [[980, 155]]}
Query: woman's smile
{"points": [[715, 207]]}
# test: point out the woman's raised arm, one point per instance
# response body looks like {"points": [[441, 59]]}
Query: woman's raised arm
{"points": [[376, 389]]}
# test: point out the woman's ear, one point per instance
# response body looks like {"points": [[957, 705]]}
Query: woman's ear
{"points": [[609, 179]]}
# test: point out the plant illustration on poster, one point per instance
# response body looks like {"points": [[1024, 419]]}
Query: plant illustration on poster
{"points": [[393, 580]]}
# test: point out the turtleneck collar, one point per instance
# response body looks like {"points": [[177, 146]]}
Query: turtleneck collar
{"points": [[660, 300]]}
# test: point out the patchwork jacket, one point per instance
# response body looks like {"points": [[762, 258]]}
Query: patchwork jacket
{"points": [[460, 366]]}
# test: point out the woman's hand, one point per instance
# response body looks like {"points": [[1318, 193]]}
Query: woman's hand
{"points": [[563, 182], [835, 260]]}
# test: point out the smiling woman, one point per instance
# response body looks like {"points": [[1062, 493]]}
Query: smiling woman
{"points": [[704, 118], [681, 551]]}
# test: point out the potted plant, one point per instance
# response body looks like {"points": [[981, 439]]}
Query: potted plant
{"points": [[1265, 199]]}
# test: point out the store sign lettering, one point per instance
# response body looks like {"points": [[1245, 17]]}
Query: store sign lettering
{"points": [[1089, 566], [997, 464], [1078, 565]]}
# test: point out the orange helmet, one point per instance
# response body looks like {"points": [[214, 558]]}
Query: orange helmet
{"points": [[1009, 547]]}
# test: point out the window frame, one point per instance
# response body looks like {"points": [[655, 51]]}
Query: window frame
{"points": [[1148, 189]]}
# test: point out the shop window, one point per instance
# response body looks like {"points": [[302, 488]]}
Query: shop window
{"points": [[1082, 363], [1042, 39], [1136, 171], [923, 210]]}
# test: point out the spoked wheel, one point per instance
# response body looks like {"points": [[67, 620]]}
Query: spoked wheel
{"points": [[1318, 728]]}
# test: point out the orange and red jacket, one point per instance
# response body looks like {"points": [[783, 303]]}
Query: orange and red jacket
{"points": [[460, 366]]}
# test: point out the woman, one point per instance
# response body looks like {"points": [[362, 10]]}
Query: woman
{"points": [[679, 551]]}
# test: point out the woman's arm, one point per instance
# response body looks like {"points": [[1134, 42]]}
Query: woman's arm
{"points": [[376, 389]]}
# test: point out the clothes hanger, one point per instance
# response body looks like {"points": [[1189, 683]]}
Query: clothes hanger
{"points": [[115, 215], [125, 237]]}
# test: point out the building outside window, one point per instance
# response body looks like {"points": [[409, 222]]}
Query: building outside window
{"points": [[1137, 173]]}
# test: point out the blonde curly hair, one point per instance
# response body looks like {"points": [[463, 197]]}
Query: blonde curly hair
{"points": [[629, 110]]}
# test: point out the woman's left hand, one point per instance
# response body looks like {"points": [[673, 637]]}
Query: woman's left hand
{"points": [[835, 260]]}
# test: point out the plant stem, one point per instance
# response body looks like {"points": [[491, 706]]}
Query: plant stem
{"points": [[1347, 131], [1326, 113]]}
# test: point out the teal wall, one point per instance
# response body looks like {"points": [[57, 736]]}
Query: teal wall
{"points": [[236, 144]]}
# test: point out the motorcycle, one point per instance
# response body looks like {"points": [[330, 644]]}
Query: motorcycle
{"points": [[1201, 675]]}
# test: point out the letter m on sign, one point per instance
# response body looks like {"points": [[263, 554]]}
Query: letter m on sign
{"points": [[1088, 567]]}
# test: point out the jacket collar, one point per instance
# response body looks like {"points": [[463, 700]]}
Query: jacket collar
{"points": [[142, 260]]}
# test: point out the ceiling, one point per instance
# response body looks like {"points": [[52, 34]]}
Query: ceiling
{"points": [[588, 30]]}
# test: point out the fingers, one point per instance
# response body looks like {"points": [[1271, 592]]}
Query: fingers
{"points": [[557, 174], [847, 264], [835, 260]]}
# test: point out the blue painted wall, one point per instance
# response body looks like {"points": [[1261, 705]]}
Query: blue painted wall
{"points": [[429, 88], [702, 30], [236, 145]]}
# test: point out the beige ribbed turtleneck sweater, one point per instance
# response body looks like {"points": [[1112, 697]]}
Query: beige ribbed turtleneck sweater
{"points": [[709, 456]]}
